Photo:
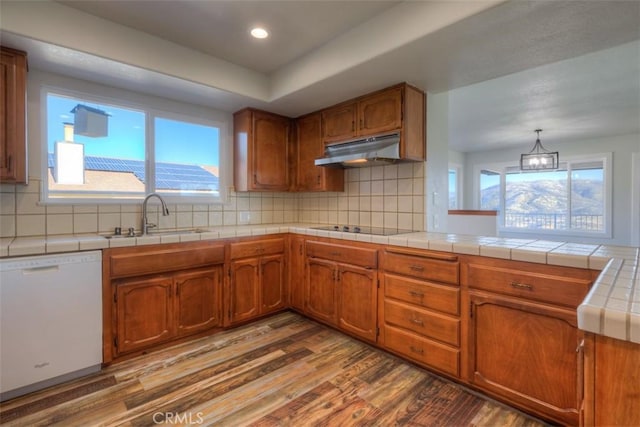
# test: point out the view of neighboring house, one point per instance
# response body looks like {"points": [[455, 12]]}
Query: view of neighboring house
{"points": [[111, 174]]}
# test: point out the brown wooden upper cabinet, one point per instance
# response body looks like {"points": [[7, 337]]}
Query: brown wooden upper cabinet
{"points": [[398, 108], [13, 85], [309, 147], [261, 151]]}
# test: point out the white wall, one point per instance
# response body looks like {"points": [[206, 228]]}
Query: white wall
{"points": [[437, 170], [622, 147]]}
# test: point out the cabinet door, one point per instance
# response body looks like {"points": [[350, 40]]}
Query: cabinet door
{"points": [[357, 301], [144, 313], [310, 147], [296, 273], [339, 123], [270, 152], [244, 290], [526, 353], [198, 302], [272, 282], [321, 298], [381, 112], [13, 77]]}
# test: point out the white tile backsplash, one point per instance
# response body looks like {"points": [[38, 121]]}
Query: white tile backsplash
{"points": [[380, 196]]}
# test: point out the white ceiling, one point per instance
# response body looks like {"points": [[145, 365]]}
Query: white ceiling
{"points": [[510, 67], [221, 28]]}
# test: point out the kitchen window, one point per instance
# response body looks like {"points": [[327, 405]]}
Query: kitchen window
{"points": [[572, 200], [101, 150]]}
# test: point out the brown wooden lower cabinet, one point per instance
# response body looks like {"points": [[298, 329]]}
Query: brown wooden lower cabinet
{"points": [[156, 309], [419, 306], [198, 300], [612, 382], [296, 272], [341, 287], [505, 328], [155, 294], [321, 290], [256, 279], [244, 297], [523, 343], [145, 313], [525, 352], [357, 300]]}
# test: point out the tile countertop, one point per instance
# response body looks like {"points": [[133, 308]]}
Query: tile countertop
{"points": [[612, 307]]}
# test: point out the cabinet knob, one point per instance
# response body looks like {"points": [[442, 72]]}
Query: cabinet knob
{"points": [[417, 322], [416, 350]]}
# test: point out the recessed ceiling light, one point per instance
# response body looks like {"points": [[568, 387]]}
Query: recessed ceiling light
{"points": [[259, 33]]}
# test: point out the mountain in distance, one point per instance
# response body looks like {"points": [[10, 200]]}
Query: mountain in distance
{"points": [[547, 197]]}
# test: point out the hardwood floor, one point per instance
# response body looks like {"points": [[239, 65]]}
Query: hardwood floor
{"points": [[282, 371]]}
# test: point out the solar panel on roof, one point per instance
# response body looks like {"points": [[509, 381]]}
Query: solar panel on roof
{"points": [[169, 176]]}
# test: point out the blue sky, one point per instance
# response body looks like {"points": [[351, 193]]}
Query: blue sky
{"points": [[176, 142]]}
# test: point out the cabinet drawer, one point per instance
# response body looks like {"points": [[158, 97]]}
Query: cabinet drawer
{"points": [[256, 248], [423, 350], [433, 325], [424, 294], [538, 286], [142, 261], [423, 267], [362, 257]]}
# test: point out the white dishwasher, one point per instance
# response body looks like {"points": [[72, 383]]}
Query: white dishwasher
{"points": [[50, 320]]}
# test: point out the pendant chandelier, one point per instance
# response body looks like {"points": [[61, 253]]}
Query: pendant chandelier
{"points": [[539, 158]]}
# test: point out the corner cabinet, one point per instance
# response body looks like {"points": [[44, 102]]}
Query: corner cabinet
{"points": [[400, 108], [523, 340], [261, 151], [341, 287], [256, 279], [160, 293], [309, 147], [13, 86]]}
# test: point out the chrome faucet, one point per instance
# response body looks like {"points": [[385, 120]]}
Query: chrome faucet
{"points": [[145, 222]]}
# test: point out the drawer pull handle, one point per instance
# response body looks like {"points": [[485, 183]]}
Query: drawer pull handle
{"points": [[416, 294], [522, 286], [416, 350], [416, 267], [335, 254], [417, 322]]}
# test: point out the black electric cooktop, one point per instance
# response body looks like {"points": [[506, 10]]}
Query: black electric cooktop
{"points": [[379, 231]]}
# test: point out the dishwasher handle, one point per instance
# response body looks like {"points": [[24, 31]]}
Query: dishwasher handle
{"points": [[40, 270]]}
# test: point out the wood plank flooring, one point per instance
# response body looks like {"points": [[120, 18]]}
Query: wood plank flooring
{"points": [[282, 371]]}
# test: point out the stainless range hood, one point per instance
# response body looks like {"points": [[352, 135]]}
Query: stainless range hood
{"points": [[372, 151]]}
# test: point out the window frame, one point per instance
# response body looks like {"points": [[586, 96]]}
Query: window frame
{"points": [[459, 170], [151, 113], [502, 167]]}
